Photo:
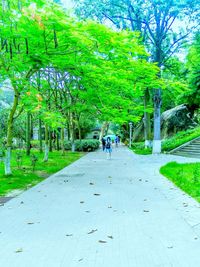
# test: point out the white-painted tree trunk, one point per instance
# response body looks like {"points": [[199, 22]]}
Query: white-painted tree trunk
{"points": [[7, 160], [157, 130], [46, 152]]}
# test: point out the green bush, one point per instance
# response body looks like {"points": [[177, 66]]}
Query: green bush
{"points": [[83, 145], [140, 149], [67, 145], [180, 138]]}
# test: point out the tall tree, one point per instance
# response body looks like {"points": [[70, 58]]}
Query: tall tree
{"points": [[156, 21]]}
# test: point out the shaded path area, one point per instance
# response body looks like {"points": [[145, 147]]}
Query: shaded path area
{"points": [[103, 213]]}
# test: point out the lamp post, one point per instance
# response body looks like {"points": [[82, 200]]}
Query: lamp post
{"points": [[130, 133]]}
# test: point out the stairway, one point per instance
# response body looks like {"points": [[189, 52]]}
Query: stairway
{"points": [[190, 149]]}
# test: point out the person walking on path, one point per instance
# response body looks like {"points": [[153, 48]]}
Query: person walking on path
{"points": [[108, 148], [103, 141], [116, 141]]}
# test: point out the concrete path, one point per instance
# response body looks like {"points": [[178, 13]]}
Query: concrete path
{"points": [[103, 213]]}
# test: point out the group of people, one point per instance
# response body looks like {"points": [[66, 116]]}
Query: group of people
{"points": [[107, 144]]}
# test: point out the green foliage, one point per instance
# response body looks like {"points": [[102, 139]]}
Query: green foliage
{"points": [[34, 160], [186, 176], [192, 96], [87, 145], [180, 138], [154, 20], [19, 156], [83, 145], [140, 149]]}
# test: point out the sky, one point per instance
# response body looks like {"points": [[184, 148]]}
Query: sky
{"points": [[67, 3]]}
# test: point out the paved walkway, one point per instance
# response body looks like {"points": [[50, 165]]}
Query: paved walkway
{"points": [[102, 213]]}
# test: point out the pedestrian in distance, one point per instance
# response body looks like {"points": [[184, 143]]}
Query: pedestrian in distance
{"points": [[108, 148], [103, 141], [118, 137], [116, 141]]}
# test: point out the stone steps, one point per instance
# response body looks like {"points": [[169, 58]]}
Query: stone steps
{"points": [[190, 149]]}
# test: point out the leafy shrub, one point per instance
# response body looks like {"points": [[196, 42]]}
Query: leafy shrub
{"points": [[83, 145], [2, 150], [19, 159], [67, 145], [180, 138], [140, 149], [33, 159]]}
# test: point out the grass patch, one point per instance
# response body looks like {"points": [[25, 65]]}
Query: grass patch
{"points": [[24, 177], [186, 176]]}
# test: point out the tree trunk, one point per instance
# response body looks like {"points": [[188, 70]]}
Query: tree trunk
{"points": [[7, 160], [147, 122], [103, 129], [40, 135], [73, 138], [28, 133], [68, 132], [57, 141], [50, 140], [79, 133], [157, 130], [46, 146], [157, 104], [63, 140]]}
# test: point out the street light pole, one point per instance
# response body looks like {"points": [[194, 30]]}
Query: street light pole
{"points": [[130, 134]]}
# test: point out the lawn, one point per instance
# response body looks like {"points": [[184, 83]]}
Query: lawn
{"points": [[186, 176], [24, 177]]}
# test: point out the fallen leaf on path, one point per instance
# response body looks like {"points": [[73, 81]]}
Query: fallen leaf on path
{"points": [[19, 250], [102, 241], [91, 232]]}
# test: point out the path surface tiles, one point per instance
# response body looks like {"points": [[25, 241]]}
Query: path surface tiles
{"points": [[103, 213]]}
